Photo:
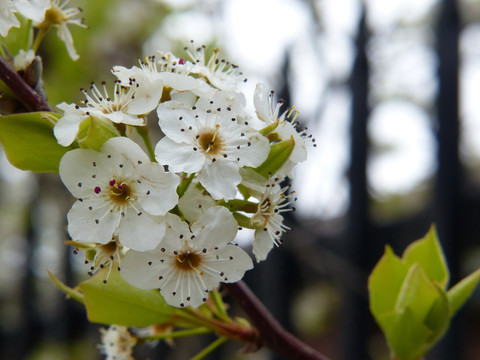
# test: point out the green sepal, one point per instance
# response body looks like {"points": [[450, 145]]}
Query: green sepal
{"points": [[243, 221], [268, 129], [29, 142], [279, 154], [71, 293], [428, 253], [243, 191], [94, 132], [458, 294], [241, 205], [118, 302]]}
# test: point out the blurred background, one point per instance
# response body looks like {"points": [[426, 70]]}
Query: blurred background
{"points": [[389, 89]]}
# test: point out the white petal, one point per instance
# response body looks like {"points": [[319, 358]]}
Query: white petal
{"points": [[92, 221], [262, 244], [140, 231], [254, 154], [231, 264], [261, 102], [81, 170], [126, 147], [137, 271], [34, 10], [147, 96], [157, 189], [65, 35], [121, 117], [216, 227], [194, 203], [220, 178], [179, 156]]}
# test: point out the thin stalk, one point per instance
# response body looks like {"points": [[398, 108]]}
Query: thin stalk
{"points": [[178, 334], [272, 334], [32, 100], [221, 311], [210, 348], [143, 131]]}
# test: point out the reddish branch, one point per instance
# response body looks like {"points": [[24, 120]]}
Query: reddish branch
{"points": [[272, 334], [20, 88]]}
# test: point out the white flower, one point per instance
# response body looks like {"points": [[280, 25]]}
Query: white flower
{"points": [[218, 72], [268, 219], [122, 108], [211, 144], [117, 343], [120, 192], [47, 13], [286, 128], [163, 78], [191, 260]]}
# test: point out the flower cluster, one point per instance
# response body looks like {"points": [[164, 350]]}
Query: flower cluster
{"points": [[44, 14], [173, 215]]}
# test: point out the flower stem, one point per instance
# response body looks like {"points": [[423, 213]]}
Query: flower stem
{"points": [[31, 99], [177, 334], [272, 334], [143, 132], [210, 348]]}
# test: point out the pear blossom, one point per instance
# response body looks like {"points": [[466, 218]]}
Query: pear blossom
{"points": [[117, 343], [120, 192], [162, 78], [269, 112], [220, 73], [123, 108], [211, 144], [191, 260], [268, 219]]}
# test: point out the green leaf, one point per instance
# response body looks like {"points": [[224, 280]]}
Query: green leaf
{"points": [[405, 333], [385, 282], [118, 302], [29, 142], [458, 294], [418, 293], [279, 154], [428, 253]]}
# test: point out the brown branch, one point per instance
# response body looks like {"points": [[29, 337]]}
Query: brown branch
{"points": [[272, 334], [29, 97]]}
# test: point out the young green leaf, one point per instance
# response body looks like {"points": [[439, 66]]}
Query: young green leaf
{"points": [[405, 333], [458, 294], [428, 253], [29, 142], [385, 282], [118, 302], [417, 293]]}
